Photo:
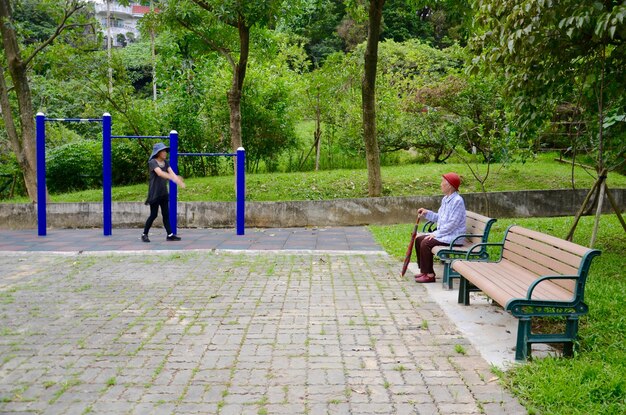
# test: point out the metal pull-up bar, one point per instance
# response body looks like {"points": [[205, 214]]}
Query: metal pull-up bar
{"points": [[107, 172], [240, 156]]}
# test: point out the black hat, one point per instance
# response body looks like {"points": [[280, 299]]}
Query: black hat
{"points": [[158, 147]]}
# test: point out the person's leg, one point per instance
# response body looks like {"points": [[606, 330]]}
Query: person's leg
{"points": [[418, 242], [154, 211], [165, 212], [426, 259]]}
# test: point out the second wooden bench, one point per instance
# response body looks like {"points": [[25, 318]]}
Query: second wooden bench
{"points": [[477, 231]]}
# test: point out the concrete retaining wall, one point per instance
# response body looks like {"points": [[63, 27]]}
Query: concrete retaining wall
{"points": [[341, 212]]}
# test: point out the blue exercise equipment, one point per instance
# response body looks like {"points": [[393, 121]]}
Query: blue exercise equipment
{"points": [[107, 184]]}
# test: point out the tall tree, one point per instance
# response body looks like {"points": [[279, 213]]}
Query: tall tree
{"points": [[368, 93], [19, 121], [215, 29]]}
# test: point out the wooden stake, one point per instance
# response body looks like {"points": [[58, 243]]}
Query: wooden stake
{"points": [[596, 224], [614, 206], [570, 235]]}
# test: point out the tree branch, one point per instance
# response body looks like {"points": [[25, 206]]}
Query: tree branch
{"points": [[206, 6], [223, 51], [67, 13]]}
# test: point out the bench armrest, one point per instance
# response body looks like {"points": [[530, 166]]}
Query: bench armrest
{"points": [[482, 244], [465, 235], [524, 307], [531, 288], [429, 227]]}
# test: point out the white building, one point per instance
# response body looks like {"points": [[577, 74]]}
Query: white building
{"points": [[123, 20]]}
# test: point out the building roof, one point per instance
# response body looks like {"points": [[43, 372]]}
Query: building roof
{"points": [[137, 9]]}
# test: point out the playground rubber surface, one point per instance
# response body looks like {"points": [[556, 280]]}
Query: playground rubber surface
{"points": [[277, 321]]}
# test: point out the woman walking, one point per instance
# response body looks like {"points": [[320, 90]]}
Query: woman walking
{"points": [[158, 196]]}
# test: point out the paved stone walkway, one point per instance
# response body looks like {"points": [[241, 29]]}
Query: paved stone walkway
{"points": [[74, 240], [231, 332]]}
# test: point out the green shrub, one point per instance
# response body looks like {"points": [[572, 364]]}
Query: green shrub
{"points": [[129, 163], [11, 178], [74, 166], [78, 165]]}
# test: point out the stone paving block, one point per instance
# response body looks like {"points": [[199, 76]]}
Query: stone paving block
{"points": [[195, 409], [427, 409], [285, 409]]}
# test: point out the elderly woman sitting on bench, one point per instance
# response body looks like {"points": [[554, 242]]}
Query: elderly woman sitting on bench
{"points": [[450, 219]]}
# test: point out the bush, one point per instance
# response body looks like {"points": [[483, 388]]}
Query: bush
{"points": [[74, 166], [11, 178], [78, 165], [129, 162]]}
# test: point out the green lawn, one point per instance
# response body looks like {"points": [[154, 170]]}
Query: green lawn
{"points": [[405, 180], [594, 381]]}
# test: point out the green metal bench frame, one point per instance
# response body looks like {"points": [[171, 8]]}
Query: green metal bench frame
{"points": [[526, 308]]}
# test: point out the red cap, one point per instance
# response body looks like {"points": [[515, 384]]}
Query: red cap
{"points": [[453, 179]]}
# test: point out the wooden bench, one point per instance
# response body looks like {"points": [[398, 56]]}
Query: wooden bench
{"points": [[537, 275], [477, 231]]}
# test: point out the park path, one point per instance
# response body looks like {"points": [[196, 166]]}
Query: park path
{"points": [[231, 332]]}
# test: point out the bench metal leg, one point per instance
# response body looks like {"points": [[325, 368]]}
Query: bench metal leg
{"points": [[571, 332], [447, 275], [463, 291], [523, 349]]}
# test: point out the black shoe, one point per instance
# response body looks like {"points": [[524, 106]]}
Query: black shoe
{"points": [[145, 238], [172, 237]]}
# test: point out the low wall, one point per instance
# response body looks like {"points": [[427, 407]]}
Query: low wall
{"points": [[340, 212]]}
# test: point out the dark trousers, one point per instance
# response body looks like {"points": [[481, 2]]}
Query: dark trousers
{"points": [[163, 203], [424, 254]]}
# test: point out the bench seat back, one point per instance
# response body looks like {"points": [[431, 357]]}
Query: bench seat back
{"points": [[542, 255], [477, 224]]}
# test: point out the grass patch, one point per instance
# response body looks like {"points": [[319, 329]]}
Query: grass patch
{"points": [[459, 349], [404, 180], [64, 387], [594, 381]]}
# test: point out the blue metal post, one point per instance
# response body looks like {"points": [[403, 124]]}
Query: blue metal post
{"points": [[106, 174], [173, 187], [40, 124], [241, 190]]}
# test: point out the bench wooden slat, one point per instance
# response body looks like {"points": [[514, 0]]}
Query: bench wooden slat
{"points": [[550, 250], [536, 262], [477, 217], [559, 285], [464, 247], [528, 262], [499, 283], [500, 290], [563, 244]]}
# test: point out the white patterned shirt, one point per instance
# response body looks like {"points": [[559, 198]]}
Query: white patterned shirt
{"points": [[450, 218]]}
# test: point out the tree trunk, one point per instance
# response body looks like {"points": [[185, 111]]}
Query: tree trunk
{"points": [[23, 142], [318, 131], [368, 94], [234, 105], [234, 95]]}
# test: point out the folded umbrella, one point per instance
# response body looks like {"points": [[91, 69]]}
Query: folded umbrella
{"points": [[409, 250]]}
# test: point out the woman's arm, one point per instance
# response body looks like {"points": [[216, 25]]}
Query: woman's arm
{"points": [[170, 175]]}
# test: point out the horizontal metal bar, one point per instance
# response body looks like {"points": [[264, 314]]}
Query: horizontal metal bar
{"points": [[140, 136], [208, 154], [74, 119]]}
